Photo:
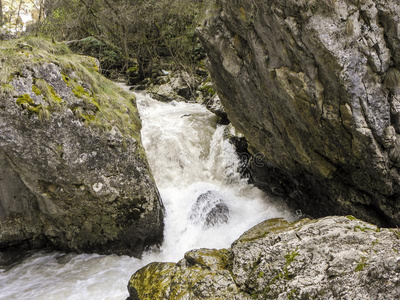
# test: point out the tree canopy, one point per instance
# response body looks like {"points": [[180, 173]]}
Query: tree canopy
{"points": [[128, 33]]}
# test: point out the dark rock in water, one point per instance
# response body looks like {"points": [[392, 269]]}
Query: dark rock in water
{"points": [[330, 258], [12, 257], [210, 210], [314, 86], [240, 144], [73, 173]]}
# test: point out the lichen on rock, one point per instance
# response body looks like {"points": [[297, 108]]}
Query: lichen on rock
{"points": [[71, 139], [330, 258], [314, 88]]}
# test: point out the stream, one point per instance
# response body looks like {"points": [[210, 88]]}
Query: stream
{"points": [[207, 203]]}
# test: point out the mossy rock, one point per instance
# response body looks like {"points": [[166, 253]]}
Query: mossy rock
{"points": [[73, 137]]}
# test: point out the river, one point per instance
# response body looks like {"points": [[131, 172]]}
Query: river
{"points": [[189, 157]]}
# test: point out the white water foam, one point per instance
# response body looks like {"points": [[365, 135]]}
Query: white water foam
{"points": [[189, 156]]}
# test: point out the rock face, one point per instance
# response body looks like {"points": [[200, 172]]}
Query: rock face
{"points": [[315, 87], [178, 86], [214, 105], [330, 258], [74, 175]]}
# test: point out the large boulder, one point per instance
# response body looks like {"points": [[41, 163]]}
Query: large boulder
{"points": [[74, 175], [315, 88], [330, 258]]}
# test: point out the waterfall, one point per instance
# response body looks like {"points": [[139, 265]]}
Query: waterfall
{"points": [[207, 205]]}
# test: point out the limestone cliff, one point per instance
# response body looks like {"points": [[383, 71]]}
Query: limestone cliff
{"points": [[331, 258], [73, 172], [315, 88]]}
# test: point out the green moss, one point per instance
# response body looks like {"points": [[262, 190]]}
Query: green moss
{"points": [[26, 102], [25, 99], [41, 87], [363, 229], [291, 257], [54, 95], [361, 265], [207, 90], [260, 274], [263, 229], [374, 243], [80, 92], [89, 118], [351, 218], [66, 79], [35, 109], [36, 90], [112, 105], [153, 281]]}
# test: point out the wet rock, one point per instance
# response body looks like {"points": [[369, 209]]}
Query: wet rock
{"points": [[313, 86], [74, 173], [214, 105], [330, 258], [209, 210]]}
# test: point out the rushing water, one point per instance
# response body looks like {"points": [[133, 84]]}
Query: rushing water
{"points": [[189, 157]]}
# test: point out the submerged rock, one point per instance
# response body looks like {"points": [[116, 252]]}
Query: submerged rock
{"points": [[315, 86], [330, 258], [74, 175], [209, 210]]}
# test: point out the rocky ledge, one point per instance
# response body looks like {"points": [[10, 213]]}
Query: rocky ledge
{"points": [[74, 175], [314, 86], [330, 258]]}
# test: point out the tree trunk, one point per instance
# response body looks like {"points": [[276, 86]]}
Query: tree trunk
{"points": [[41, 16], [1, 13], [18, 20]]}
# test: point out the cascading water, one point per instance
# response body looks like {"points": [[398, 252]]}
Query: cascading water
{"points": [[207, 205]]}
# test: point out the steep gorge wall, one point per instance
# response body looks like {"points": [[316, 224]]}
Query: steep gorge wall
{"points": [[315, 87]]}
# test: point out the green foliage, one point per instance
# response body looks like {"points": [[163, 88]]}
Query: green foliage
{"points": [[36, 90], [154, 34], [109, 55]]}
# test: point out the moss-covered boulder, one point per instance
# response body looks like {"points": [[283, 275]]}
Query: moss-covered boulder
{"points": [[314, 85], [74, 175], [330, 258]]}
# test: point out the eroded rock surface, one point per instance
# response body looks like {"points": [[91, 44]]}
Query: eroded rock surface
{"points": [[315, 88], [74, 175], [330, 258]]}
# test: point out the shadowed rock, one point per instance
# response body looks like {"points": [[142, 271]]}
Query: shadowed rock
{"points": [[314, 86]]}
